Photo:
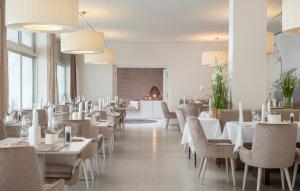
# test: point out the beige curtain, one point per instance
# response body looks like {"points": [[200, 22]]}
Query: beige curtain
{"points": [[73, 85], [52, 90], [3, 70]]}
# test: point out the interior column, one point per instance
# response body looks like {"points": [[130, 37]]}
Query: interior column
{"points": [[247, 52]]}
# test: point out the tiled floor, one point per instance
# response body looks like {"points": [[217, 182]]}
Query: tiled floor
{"points": [[150, 158]]}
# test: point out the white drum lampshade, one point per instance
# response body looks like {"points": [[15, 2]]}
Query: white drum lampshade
{"points": [[291, 16], [84, 41], [108, 57], [208, 57], [42, 15], [270, 42]]}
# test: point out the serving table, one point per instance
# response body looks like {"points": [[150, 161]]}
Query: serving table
{"points": [[73, 148]]}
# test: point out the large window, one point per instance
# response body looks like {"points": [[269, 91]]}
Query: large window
{"points": [[21, 69], [61, 81]]}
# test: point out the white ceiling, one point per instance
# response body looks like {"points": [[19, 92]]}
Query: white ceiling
{"points": [[162, 20]]}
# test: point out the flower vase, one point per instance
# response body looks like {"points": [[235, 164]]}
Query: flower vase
{"points": [[287, 102]]}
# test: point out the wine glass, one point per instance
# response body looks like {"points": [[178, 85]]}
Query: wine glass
{"points": [[26, 123], [57, 126]]}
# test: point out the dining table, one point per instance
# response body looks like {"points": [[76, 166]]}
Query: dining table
{"points": [[75, 147], [243, 133]]}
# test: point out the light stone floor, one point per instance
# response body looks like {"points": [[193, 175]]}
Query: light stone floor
{"points": [[150, 158]]}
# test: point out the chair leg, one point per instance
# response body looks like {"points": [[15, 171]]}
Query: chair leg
{"points": [[227, 171], [91, 168], [288, 179], [203, 170], [85, 174], [258, 179], [245, 176], [103, 149], [195, 159], [282, 179], [232, 170], [167, 122], [295, 174], [200, 166], [97, 163]]}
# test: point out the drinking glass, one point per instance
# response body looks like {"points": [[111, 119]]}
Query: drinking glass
{"points": [[26, 123], [57, 126]]}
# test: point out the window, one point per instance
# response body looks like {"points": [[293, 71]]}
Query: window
{"points": [[13, 35], [61, 82], [21, 69], [20, 77], [27, 38]]}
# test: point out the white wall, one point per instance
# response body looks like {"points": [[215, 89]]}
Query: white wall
{"points": [[183, 59], [288, 48], [94, 81]]}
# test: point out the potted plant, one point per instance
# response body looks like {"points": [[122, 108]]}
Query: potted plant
{"points": [[288, 82], [219, 88]]}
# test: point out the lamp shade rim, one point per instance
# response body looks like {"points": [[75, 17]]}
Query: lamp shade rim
{"points": [[61, 28]]}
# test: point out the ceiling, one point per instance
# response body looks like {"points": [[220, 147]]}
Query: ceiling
{"points": [[164, 20]]}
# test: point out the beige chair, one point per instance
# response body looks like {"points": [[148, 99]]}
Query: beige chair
{"points": [[181, 119], [2, 130], [62, 108], [191, 109], [273, 148], [66, 167], [83, 128], [210, 148], [227, 115], [167, 114], [297, 162], [19, 171], [285, 113], [42, 116]]}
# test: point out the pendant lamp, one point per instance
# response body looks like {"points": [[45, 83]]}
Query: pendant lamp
{"points": [[108, 57], [83, 41], [42, 15]]}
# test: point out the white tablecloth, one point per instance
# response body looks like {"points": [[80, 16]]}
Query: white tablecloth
{"points": [[242, 133], [211, 127]]}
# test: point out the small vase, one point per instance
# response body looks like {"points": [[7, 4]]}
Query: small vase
{"points": [[287, 102], [215, 113]]}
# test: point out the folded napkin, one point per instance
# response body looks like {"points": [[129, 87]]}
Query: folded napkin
{"points": [[241, 115], [204, 115]]}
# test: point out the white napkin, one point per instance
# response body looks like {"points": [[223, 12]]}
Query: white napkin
{"points": [[204, 115], [35, 131], [99, 104], [210, 107], [50, 116], [80, 110], [241, 115], [263, 110]]}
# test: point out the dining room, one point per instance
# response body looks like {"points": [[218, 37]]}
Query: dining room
{"points": [[170, 95]]}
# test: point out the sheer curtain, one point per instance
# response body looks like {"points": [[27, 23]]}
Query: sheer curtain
{"points": [[73, 86], [52, 90], [3, 70]]}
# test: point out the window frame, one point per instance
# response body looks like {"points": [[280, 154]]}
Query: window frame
{"points": [[25, 51]]}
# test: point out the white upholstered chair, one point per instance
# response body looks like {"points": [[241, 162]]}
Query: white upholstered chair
{"points": [[273, 148]]}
